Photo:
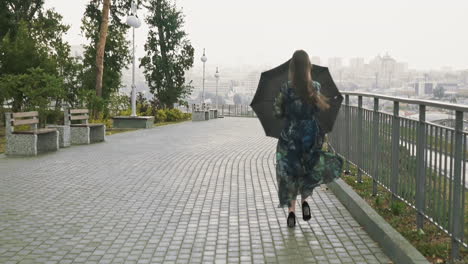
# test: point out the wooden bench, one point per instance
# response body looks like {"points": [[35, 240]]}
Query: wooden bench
{"points": [[32, 141], [83, 132]]}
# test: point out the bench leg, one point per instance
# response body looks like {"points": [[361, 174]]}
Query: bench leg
{"points": [[80, 135], [64, 135], [97, 134], [48, 142], [21, 145]]}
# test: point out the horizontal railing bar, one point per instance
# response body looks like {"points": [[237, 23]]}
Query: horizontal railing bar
{"points": [[412, 119], [456, 107]]}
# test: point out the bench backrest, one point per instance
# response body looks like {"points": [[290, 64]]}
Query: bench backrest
{"points": [[202, 107], [21, 118], [76, 115]]}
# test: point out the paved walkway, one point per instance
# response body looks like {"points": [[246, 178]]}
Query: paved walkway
{"points": [[185, 193]]}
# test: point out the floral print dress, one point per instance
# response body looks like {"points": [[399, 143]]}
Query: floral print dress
{"points": [[296, 152]]}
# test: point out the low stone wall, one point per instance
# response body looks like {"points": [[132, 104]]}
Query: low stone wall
{"points": [[133, 122], [200, 115]]}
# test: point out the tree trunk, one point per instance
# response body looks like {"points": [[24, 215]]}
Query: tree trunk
{"points": [[162, 45], [101, 46]]}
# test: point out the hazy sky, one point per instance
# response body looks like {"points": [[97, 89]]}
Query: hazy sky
{"points": [[428, 34]]}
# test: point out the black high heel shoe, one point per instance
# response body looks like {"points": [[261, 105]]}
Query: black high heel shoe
{"points": [[306, 211], [291, 220]]}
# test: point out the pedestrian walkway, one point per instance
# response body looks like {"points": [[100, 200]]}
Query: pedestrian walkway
{"points": [[194, 192]]}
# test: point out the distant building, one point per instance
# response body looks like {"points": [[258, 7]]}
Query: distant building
{"points": [[401, 67], [356, 63], [315, 60], [448, 87], [347, 86], [387, 72], [422, 88], [428, 88], [335, 63]]}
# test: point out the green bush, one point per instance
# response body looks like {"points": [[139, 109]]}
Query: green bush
{"points": [[127, 112], [168, 115], [174, 115], [51, 117], [118, 103], [397, 207], [107, 122], [149, 111], [160, 116]]}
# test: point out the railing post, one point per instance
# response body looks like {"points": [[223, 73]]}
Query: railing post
{"points": [[421, 167], [457, 208], [348, 122], [229, 110], [375, 143], [359, 141], [395, 149]]}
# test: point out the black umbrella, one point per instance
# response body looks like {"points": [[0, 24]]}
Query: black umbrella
{"points": [[269, 87]]}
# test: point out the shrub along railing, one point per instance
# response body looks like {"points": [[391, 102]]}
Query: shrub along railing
{"points": [[420, 163]]}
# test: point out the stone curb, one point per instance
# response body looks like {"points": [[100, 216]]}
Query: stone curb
{"points": [[394, 245]]}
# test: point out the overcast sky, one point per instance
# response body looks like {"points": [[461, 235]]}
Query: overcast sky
{"points": [[428, 34]]}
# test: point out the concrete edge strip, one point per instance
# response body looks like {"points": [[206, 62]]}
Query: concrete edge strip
{"points": [[393, 244]]}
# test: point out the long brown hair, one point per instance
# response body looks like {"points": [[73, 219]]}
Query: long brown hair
{"points": [[300, 76]]}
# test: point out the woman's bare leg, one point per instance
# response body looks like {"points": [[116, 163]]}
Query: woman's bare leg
{"points": [[293, 207]]}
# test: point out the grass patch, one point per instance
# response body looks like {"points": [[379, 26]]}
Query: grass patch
{"points": [[432, 242], [168, 123], [113, 131]]}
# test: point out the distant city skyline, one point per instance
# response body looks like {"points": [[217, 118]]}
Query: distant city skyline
{"points": [[426, 34]]}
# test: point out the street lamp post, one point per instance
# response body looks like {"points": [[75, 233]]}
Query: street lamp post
{"points": [[203, 59], [134, 22], [133, 121], [217, 81]]}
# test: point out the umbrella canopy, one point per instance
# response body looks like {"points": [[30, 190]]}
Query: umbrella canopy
{"points": [[269, 87]]}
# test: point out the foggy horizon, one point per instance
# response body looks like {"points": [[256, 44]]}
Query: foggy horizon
{"points": [[428, 35]]}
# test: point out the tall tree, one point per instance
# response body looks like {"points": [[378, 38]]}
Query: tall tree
{"points": [[32, 50], [116, 54], [101, 46], [168, 53], [12, 12]]}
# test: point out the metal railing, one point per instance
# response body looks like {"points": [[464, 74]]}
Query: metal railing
{"points": [[236, 110], [226, 110], [420, 163]]}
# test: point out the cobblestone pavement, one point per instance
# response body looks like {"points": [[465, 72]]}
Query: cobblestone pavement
{"points": [[187, 193]]}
